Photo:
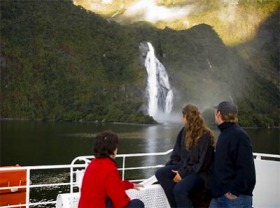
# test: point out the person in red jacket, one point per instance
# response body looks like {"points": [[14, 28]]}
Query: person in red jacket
{"points": [[102, 186]]}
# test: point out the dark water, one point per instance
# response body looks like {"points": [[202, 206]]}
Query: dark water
{"points": [[46, 143]]}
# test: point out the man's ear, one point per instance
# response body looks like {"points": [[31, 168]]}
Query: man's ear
{"points": [[219, 116]]}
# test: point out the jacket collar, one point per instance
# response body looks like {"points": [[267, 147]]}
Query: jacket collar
{"points": [[108, 159], [225, 125]]}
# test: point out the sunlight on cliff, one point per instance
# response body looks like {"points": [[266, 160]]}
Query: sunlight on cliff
{"points": [[235, 21]]}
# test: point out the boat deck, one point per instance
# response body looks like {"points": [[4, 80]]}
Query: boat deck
{"points": [[66, 188]]}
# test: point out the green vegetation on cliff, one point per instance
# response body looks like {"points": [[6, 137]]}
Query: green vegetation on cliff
{"points": [[61, 62]]}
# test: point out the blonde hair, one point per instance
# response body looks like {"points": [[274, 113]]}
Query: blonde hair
{"points": [[232, 117], [195, 126]]}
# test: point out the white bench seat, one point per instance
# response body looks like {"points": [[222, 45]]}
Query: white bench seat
{"points": [[152, 196]]}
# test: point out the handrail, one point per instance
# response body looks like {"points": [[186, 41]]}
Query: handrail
{"points": [[73, 166], [86, 160], [260, 155]]}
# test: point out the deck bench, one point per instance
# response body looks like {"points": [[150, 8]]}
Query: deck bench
{"points": [[152, 196]]}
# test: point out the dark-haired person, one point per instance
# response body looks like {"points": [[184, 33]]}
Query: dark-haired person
{"points": [[102, 186], [189, 166], [234, 175]]}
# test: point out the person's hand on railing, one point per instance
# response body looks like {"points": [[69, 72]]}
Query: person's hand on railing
{"points": [[137, 186]]}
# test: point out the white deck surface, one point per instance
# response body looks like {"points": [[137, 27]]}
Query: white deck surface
{"points": [[267, 191]]}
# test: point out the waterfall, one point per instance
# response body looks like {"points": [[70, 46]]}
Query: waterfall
{"points": [[160, 95]]}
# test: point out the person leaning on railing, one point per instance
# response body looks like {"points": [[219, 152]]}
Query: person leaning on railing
{"points": [[102, 186], [189, 167]]}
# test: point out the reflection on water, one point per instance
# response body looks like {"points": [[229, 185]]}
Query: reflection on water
{"points": [[158, 139], [46, 143]]}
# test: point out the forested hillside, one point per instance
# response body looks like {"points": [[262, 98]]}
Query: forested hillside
{"points": [[61, 62]]}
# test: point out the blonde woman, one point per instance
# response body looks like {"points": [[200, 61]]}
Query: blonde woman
{"points": [[189, 166]]}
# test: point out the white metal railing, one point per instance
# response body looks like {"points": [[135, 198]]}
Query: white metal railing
{"points": [[84, 161], [29, 184], [72, 168], [260, 156]]}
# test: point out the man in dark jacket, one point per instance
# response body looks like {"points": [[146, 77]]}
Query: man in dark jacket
{"points": [[234, 176]]}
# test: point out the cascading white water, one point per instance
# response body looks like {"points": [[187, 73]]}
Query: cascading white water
{"points": [[160, 94]]}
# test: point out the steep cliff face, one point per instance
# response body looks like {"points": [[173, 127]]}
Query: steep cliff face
{"points": [[61, 62], [262, 52], [235, 21], [203, 70], [250, 27]]}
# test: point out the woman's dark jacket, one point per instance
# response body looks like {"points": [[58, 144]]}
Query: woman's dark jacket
{"points": [[197, 160]]}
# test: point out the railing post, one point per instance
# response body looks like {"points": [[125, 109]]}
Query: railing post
{"points": [[27, 196], [258, 157], [123, 166], [71, 179]]}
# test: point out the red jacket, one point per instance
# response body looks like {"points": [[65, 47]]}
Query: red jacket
{"points": [[102, 180]]}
